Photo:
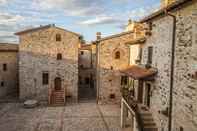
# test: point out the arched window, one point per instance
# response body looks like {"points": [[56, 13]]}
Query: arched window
{"points": [[58, 37], [59, 56], [117, 55], [58, 83]]}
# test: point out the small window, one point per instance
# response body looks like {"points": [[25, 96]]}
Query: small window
{"points": [[87, 80], [112, 96], [82, 52], [45, 78], [2, 84], [58, 37], [181, 128], [117, 55], [81, 66], [150, 55], [4, 67], [59, 56]]}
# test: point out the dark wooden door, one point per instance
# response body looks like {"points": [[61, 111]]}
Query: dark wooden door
{"points": [[58, 83], [148, 86], [140, 91]]}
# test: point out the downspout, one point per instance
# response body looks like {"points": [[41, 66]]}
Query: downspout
{"points": [[172, 70], [97, 71]]}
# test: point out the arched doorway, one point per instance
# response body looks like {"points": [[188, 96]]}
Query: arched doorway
{"points": [[58, 83]]}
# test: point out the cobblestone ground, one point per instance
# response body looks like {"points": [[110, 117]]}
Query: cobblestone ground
{"points": [[73, 117]]}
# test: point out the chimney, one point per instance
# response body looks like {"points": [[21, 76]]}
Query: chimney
{"points": [[98, 35], [165, 3], [130, 26]]}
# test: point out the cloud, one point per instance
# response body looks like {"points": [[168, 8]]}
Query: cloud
{"points": [[8, 19], [72, 7], [9, 23], [2, 2], [101, 20]]}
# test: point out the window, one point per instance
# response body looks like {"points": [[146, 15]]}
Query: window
{"points": [[82, 52], [140, 54], [117, 55], [58, 37], [112, 96], [87, 80], [181, 128], [59, 56], [2, 84], [4, 67], [45, 78], [124, 80], [150, 55]]}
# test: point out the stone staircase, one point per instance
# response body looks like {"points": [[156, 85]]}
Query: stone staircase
{"points": [[147, 120], [57, 98]]}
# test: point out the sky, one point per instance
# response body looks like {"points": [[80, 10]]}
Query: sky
{"points": [[85, 17]]}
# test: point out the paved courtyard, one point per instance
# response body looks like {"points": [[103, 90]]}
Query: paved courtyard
{"points": [[73, 117]]}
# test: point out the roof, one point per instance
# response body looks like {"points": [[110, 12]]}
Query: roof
{"points": [[8, 47], [138, 72], [116, 35], [140, 40], [43, 27], [162, 11], [86, 47]]}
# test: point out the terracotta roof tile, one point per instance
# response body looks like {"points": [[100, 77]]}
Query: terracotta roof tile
{"points": [[138, 72]]}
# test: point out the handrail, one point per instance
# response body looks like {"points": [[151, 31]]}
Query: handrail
{"points": [[133, 104], [49, 95]]}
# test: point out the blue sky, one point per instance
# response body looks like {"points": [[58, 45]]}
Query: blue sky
{"points": [[82, 16]]}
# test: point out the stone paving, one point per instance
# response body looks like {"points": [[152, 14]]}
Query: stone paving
{"points": [[72, 117]]}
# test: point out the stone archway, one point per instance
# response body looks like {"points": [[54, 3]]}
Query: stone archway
{"points": [[58, 83]]}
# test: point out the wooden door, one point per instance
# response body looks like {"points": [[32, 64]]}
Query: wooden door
{"points": [[58, 83], [148, 95], [140, 91]]}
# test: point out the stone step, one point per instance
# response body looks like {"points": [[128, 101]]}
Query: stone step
{"points": [[149, 123], [55, 104], [148, 118], [150, 128], [59, 97]]}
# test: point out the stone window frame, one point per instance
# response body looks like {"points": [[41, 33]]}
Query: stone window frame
{"points": [[117, 54], [58, 37]]}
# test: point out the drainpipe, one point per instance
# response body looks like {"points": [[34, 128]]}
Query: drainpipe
{"points": [[172, 70], [98, 34]]}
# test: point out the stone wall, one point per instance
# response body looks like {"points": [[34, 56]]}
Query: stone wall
{"points": [[109, 77], [38, 53], [8, 78], [185, 89]]}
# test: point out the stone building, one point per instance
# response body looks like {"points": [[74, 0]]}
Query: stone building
{"points": [[8, 69], [163, 94], [113, 55], [87, 72], [48, 64]]}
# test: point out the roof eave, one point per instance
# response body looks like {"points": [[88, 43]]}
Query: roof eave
{"points": [[163, 10]]}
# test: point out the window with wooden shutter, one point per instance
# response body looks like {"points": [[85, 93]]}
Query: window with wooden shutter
{"points": [[150, 55], [45, 78], [58, 37], [59, 56]]}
